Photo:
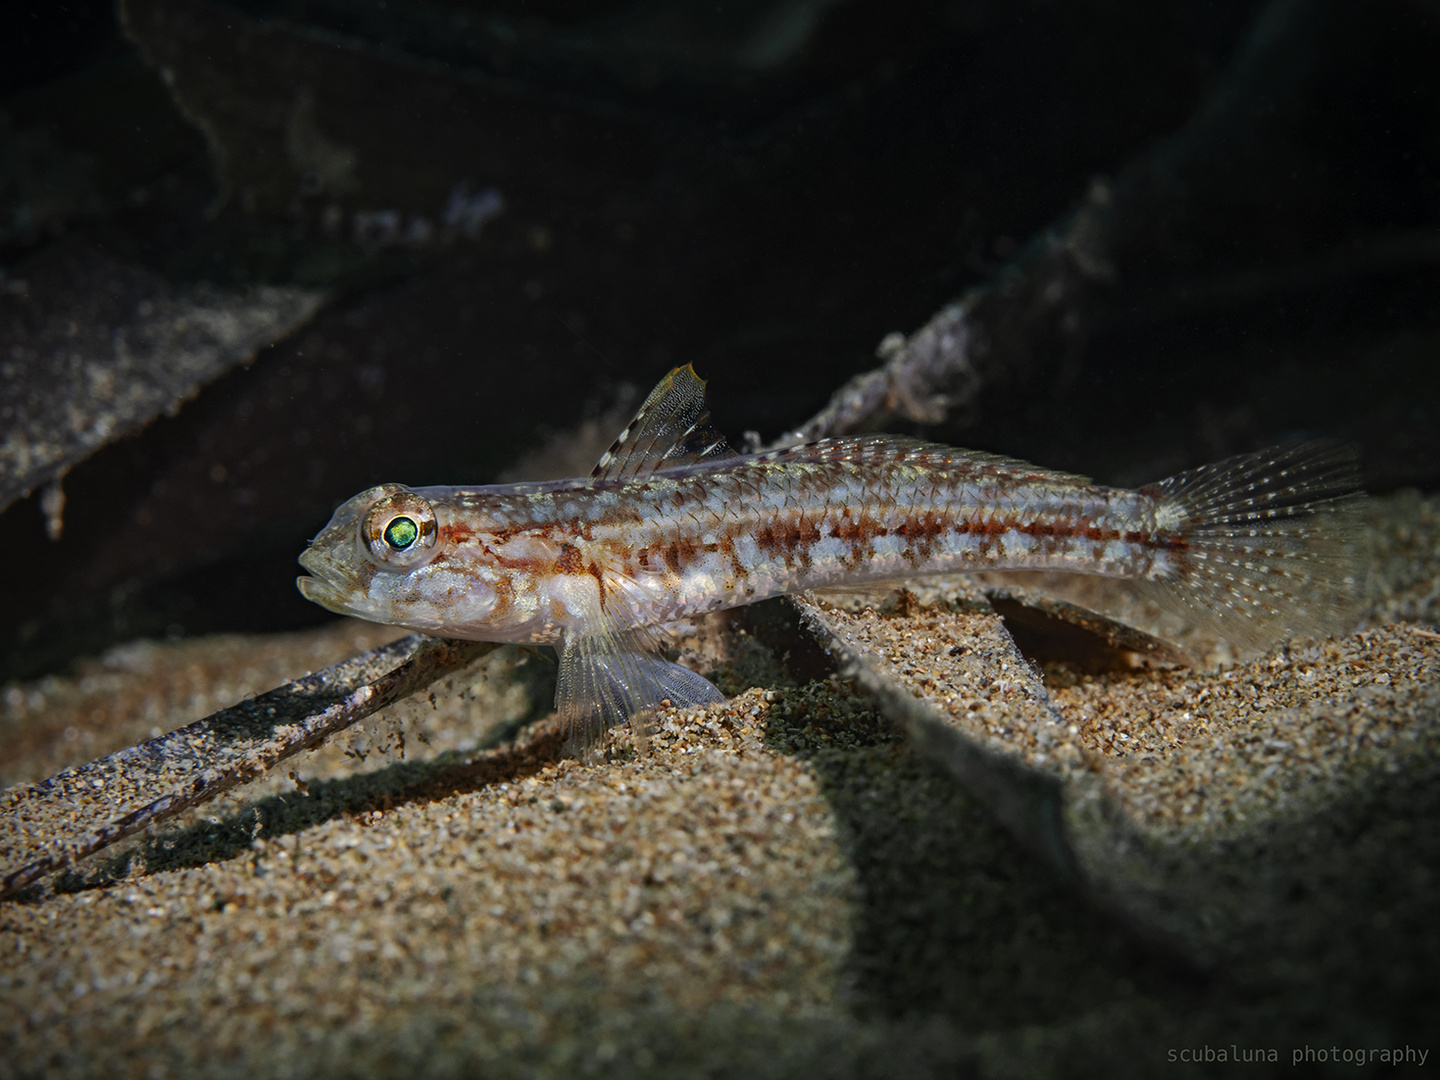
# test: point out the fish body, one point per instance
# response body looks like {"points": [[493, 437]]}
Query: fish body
{"points": [[673, 524]]}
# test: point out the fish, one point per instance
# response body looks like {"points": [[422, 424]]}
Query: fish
{"points": [[673, 524]]}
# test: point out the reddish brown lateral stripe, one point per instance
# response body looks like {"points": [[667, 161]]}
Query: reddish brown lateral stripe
{"points": [[569, 561], [727, 548], [784, 538], [789, 539], [925, 527], [859, 532], [920, 534], [1066, 530], [679, 554]]}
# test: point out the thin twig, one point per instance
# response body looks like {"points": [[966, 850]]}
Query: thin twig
{"points": [[77, 812]]}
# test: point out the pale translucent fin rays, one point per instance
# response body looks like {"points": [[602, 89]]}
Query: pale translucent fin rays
{"points": [[607, 679], [888, 449], [672, 428], [612, 670], [1270, 542]]}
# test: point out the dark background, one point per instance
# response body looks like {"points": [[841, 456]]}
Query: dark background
{"points": [[765, 189]]}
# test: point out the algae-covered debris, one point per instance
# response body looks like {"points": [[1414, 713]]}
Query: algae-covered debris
{"points": [[97, 347]]}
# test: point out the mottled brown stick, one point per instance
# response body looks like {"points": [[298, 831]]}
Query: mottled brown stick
{"points": [[117, 796]]}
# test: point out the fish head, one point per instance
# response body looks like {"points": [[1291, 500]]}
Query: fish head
{"points": [[389, 555]]}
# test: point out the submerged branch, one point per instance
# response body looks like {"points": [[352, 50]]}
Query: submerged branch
{"points": [[119, 795]]}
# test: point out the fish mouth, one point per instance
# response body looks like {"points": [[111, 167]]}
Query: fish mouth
{"points": [[320, 587], [312, 562], [322, 593]]}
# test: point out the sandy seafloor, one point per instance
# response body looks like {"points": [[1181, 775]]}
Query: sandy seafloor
{"points": [[787, 885]]}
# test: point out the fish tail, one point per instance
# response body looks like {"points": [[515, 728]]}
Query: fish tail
{"points": [[1264, 546]]}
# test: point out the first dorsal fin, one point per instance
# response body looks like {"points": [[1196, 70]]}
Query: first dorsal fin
{"points": [[672, 428]]}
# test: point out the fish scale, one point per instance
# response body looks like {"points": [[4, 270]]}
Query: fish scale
{"points": [[673, 524], [697, 537]]}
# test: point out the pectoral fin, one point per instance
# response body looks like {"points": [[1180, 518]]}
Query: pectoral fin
{"points": [[607, 679]]}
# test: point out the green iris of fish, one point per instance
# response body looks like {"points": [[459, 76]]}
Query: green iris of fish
{"points": [[401, 533]]}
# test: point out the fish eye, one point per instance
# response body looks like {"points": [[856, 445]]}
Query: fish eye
{"points": [[400, 531]]}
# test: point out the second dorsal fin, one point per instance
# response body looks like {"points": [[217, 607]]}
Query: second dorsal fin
{"points": [[672, 428]]}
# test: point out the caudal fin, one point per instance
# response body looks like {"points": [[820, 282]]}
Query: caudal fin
{"points": [[1266, 544]]}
